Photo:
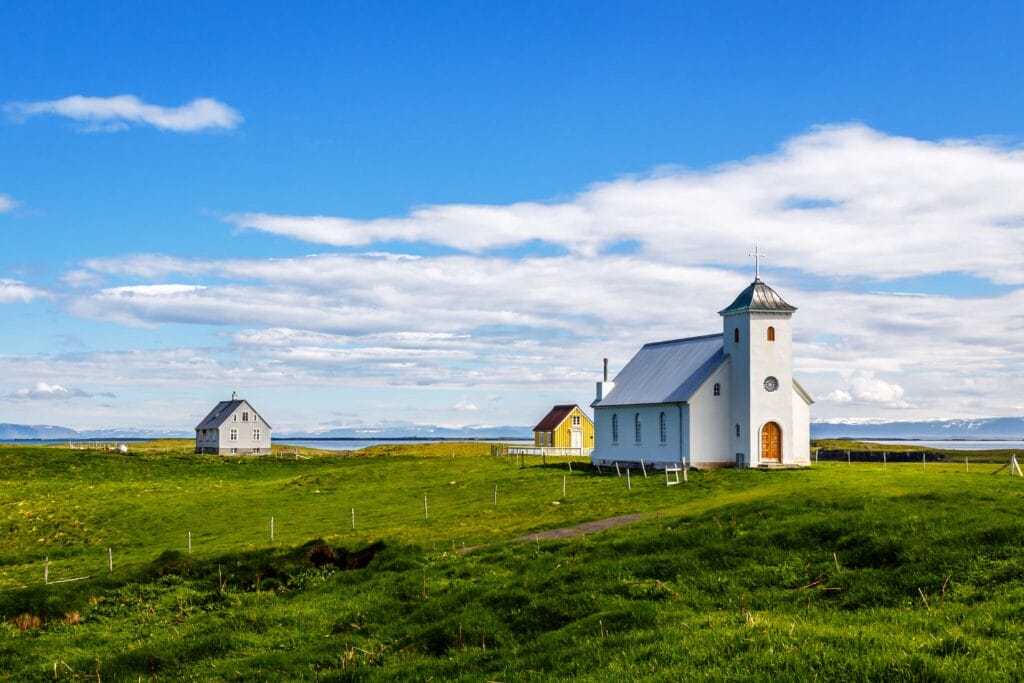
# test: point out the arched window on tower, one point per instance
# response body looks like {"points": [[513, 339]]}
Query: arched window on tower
{"points": [[771, 334], [737, 430], [736, 335], [718, 389]]}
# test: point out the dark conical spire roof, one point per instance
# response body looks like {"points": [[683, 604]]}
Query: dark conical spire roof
{"points": [[758, 297]]}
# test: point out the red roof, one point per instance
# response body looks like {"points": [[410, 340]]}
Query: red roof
{"points": [[554, 418]]}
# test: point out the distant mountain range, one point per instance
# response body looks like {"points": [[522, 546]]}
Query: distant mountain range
{"points": [[16, 431], [985, 428]]}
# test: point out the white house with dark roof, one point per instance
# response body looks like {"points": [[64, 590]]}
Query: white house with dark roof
{"points": [[233, 428], [720, 400]]}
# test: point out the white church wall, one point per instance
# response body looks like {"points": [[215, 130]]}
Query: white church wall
{"points": [[650, 448], [739, 388], [710, 417], [801, 430], [771, 358]]}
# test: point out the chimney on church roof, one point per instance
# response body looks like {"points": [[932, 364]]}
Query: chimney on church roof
{"points": [[234, 395]]}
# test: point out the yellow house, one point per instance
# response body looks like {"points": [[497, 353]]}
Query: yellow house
{"points": [[565, 426]]}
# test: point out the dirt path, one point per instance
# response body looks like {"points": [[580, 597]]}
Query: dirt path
{"points": [[581, 529], [569, 531]]}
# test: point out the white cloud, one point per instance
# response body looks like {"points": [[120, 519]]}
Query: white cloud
{"points": [[15, 291], [465, 406], [7, 203], [869, 388], [44, 391], [837, 396], [104, 114]]}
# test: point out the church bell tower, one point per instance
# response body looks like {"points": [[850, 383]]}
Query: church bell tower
{"points": [[758, 338]]}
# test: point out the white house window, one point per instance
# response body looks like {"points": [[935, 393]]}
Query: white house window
{"points": [[662, 428], [234, 451], [255, 435], [234, 418], [718, 389], [737, 430], [245, 416], [256, 451], [234, 435], [575, 420], [615, 427], [636, 427]]}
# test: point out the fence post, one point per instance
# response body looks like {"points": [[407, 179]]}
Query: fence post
{"points": [[883, 459], [190, 543], [629, 485], [426, 510], [46, 570], [110, 559], [271, 529], [353, 519], [643, 467], [967, 464], [495, 495]]}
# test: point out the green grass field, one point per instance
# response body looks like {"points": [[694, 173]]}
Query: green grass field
{"points": [[837, 572]]}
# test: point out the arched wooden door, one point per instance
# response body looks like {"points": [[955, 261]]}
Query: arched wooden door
{"points": [[771, 442]]}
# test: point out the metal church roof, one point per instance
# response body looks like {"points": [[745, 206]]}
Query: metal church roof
{"points": [[666, 372], [758, 297]]}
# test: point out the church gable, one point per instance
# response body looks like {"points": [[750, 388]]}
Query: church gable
{"points": [[666, 372]]}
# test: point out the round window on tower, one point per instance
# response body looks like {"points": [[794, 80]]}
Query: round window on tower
{"points": [[771, 384]]}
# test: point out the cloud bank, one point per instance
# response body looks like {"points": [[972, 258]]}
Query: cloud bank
{"points": [[840, 201], [902, 255], [122, 111], [7, 203]]}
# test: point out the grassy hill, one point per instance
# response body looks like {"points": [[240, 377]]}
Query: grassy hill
{"points": [[852, 572]]}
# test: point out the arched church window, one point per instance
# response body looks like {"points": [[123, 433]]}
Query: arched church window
{"points": [[718, 389], [771, 334], [736, 335], [636, 426], [662, 428], [615, 427], [737, 431]]}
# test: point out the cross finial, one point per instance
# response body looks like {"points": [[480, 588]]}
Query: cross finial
{"points": [[757, 262]]}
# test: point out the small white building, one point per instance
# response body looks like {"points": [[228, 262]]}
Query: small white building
{"points": [[719, 400], [233, 428]]}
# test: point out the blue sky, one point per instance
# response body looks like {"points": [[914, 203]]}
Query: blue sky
{"points": [[447, 213]]}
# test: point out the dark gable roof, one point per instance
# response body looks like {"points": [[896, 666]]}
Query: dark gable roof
{"points": [[554, 418], [666, 372], [758, 297], [222, 411]]}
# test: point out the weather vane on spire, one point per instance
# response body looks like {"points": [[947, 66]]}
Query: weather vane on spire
{"points": [[757, 262]]}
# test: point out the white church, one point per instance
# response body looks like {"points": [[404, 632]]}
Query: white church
{"points": [[720, 400]]}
